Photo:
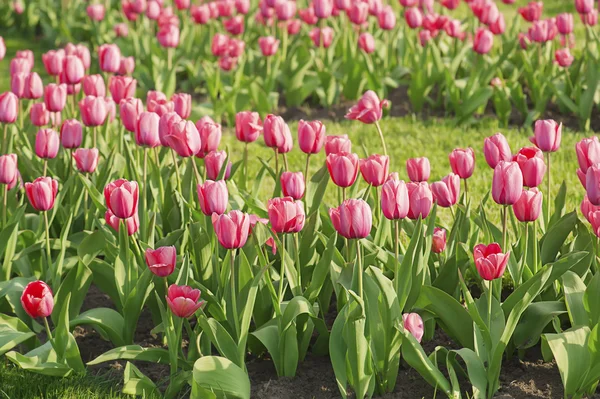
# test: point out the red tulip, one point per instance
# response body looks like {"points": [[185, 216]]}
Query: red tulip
{"points": [[183, 300], [232, 229], [8, 168], [413, 323], [507, 183], [55, 97], [129, 110], [42, 193], [369, 108], [547, 135], [286, 215], [438, 243], [462, 162], [184, 138], [343, 168], [122, 198], [213, 197], [418, 169], [37, 299], [394, 199], [292, 184], [86, 159], [337, 144], [528, 206], [352, 219], [420, 199], [446, 191], [532, 165], [47, 143], [161, 261], [213, 162], [247, 126], [490, 261], [375, 169]]}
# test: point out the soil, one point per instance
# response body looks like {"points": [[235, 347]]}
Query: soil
{"points": [[529, 378]]}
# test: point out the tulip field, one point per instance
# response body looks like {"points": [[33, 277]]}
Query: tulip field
{"points": [[299, 199]]}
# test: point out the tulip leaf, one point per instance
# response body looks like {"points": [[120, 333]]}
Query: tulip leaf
{"points": [[218, 377], [591, 299], [572, 355], [574, 289], [555, 237], [133, 352], [90, 247], [12, 333], [534, 320], [136, 383], [108, 322]]}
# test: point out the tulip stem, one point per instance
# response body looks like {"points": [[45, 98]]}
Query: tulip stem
{"points": [[48, 251], [50, 337], [245, 163], [297, 249], [160, 182], [524, 263], [45, 166], [285, 162], [95, 137], [85, 208], [504, 225], [466, 191], [343, 194], [196, 171], [4, 144], [306, 171], [490, 296], [360, 269], [548, 192], [397, 262], [176, 172], [276, 165], [381, 137], [236, 321], [4, 203], [144, 195], [282, 269]]}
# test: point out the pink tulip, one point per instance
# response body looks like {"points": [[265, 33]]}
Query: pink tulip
{"points": [[182, 104], [200, 14], [454, 29], [37, 299], [17, 84], [292, 184], [33, 86], [337, 144], [294, 26], [584, 6], [592, 184], [285, 10], [53, 62], [161, 261], [39, 115], [563, 57], [462, 161], [93, 85], [358, 12], [220, 44], [532, 12], [121, 30], [532, 165], [414, 18], [213, 197], [8, 168], [590, 19], [323, 8], [129, 110], [496, 149], [213, 162], [168, 36], [210, 137], [160, 105], [122, 198], [483, 41], [438, 243], [184, 138], [286, 215], [366, 42], [375, 169], [352, 219], [277, 133], [47, 143], [20, 65], [369, 108], [93, 110], [529, 205], [122, 87], [165, 124], [146, 130], [413, 323], [387, 18], [247, 126], [564, 23], [321, 37], [420, 199], [55, 97], [182, 4], [9, 105], [507, 183], [42, 193], [588, 152], [86, 159], [109, 56], [343, 168], [418, 169], [132, 223], [311, 136], [95, 12], [499, 26], [183, 301], [447, 191], [490, 261], [594, 218], [127, 65], [232, 229], [73, 69], [268, 45], [71, 133], [587, 208], [394, 199], [235, 25], [547, 135]]}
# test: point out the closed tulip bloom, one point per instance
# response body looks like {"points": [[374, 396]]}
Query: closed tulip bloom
{"points": [[73, 69], [418, 169], [234, 25], [564, 23], [286, 215], [127, 65], [532, 12], [587, 208], [71, 133], [413, 323], [420, 199], [483, 41], [414, 18], [161, 261], [352, 219], [146, 130], [132, 223], [165, 124], [232, 228], [168, 36], [533, 167], [93, 85], [210, 137], [594, 218], [47, 143], [321, 37], [182, 104], [247, 126], [507, 183], [37, 299], [129, 110], [55, 97], [499, 26], [8, 168], [184, 138], [213, 197], [42, 193], [17, 84], [358, 13], [20, 65], [394, 199], [121, 30], [39, 115], [160, 106], [213, 162], [369, 108], [337, 144], [590, 19], [9, 105], [268, 45], [292, 184], [563, 57], [311, 136], [53, 62], [93, 110], [285, 10], [490, 261], [183, 300], [109, 56], [592, 184], [387, 18], [496, 149], [366, 42], [294, 26], [454, 29], [95, 12], [86, 159], [182, 4], [529, 205], [438, 243], [122, 198], [276, 132], [201, 14], [588, 152], [547, 135], [220, 44], [343, 168], [122, 87], [446, 191], [584, 6], [323, 8], [33, 87], [375, 169], [462, 161]]}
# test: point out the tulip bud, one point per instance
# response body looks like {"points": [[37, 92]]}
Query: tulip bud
{"points": [[532, 165], [277, 133], [47, 143], [184, 138], [109, 57], [42, 193], [507, 183], [286, 215], [352, 219], [418, 169], [375, 169], [122, 87], [55, 97], [413, 323], [483, 41], [232, 229], [9, 104], [292, 184], [366, 42], [311, 136], [8, 168], [210, 137], [122, 198], [71, 133], [161, 261], [490, 261], [182, 104], [420, 199], [496, 149], [547, 135], [93, 110], [528, 206], [446, 191], [39, 115], [438, 243], [213, 197], [86, 159], [213, 162], [337, 144], [343, 168], [37, 299], [462, 162], [247, 126], [394, 199], [146, 130]]}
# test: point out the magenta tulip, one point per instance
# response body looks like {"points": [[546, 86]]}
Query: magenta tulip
{"points": [[352, 219], [418, 169], [438, 243], [183, 300], [42, 193], [394, 199], [286, 215], [462, 162], [375, 169], [420, 200], [86, 159], [161, 261], [447, 191], [507, 183], [490, 261], [547, 135], [343, 168], [496, 149], [122, 198], [47, 143], [213, 162], [292, 184], [231, 228], [37, 299], [532, 165]]}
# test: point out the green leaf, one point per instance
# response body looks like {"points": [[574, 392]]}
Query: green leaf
{"points": [[591, 299], [534, 320], [570, 350], [12, 332], [574, 289], [555, 237], [36, 365], [107, 321], [133, 352], [221, 377], [136, 383], [90, 247]]}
